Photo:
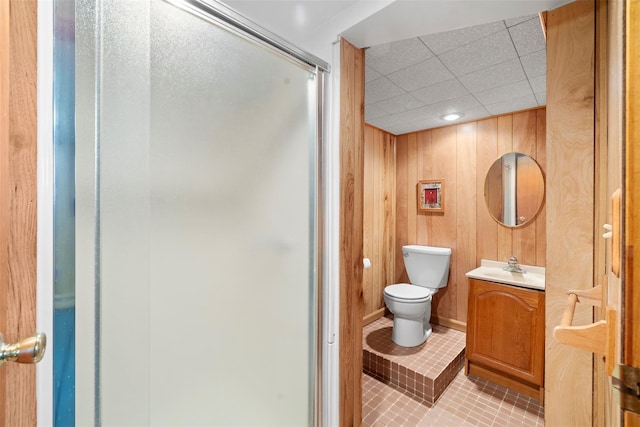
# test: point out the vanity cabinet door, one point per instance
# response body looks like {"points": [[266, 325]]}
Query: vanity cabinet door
{"points": [[505, 330]]}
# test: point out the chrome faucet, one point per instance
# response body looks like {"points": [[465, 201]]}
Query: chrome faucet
{"points": [[513, 266]]}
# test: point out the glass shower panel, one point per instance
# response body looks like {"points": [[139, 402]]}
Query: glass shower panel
{"points": [[64, 214], [205, 226]]}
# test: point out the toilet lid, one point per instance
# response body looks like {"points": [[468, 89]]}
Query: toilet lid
{"points": [[407, 291]]}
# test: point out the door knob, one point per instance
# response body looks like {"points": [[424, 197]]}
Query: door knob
{"points": [[29, 350]]}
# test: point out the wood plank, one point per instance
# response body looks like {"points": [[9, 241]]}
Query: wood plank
{"points": [[466, 203], [376, 233], [351, 228], [5, 194], [487, 227], [412, 181], [368, 240], [601, 200], [403, 197], [570, 132], [505, 145], [541, 158], [389, 235], [19, 184], [443, 230], [423, 159], [524, 141], [524, 132], [614, 124], [632, 196]]}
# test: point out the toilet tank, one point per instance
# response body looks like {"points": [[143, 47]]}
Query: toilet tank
{"points": [[427, 266]]}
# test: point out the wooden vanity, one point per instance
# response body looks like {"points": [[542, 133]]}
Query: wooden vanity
{"points": [[505, 336]]}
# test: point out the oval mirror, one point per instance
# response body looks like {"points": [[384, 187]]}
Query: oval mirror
{"points": [[514, 189]]}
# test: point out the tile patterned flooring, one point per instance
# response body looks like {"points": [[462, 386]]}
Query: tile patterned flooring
{"points": [[404, 369], [467, 401]]}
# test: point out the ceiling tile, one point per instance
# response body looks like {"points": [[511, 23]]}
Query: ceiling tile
{"points": [[504, 93], [497, 75], [443, 42], [370, 74], [451, 106], [511, 105], [390, 57], [379, 90], [539, 84], [399, 104], [373, 111], [491, 50], [527, 37], [410, 116], [535, 64], [479, 71], [434, 122], [449, 89], [421, 75], [515, 21], [408, 127], [392, 120], [475, 114]]}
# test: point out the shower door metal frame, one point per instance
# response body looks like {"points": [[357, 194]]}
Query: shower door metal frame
{"points": [[218, 14]]}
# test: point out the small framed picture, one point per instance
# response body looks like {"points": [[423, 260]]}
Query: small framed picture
{"points": [[431, 196]]}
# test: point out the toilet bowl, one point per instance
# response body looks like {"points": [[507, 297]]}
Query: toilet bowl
{"points": [[428, 270]]}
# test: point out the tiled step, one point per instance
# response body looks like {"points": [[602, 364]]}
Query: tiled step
{"points": [[424, 371]]}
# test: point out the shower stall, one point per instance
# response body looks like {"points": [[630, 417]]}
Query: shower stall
{"points": [[187, 218]]}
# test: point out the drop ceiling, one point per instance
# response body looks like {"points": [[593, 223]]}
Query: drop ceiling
{"points": [[478, 71]]}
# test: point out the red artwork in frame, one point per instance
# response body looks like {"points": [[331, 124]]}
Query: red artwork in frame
{"points": [[431, 195]]}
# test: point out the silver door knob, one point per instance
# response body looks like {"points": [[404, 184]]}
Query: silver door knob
{"points": [[29, 350]]}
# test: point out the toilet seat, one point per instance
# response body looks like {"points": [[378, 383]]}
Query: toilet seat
{"points": [[410, 293]]}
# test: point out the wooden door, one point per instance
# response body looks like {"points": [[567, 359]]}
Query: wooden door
{"points": [[18, 25], [619, 98], [631, 303]]}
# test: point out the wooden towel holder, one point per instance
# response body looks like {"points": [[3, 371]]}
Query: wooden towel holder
{"points": [[598, 337]]}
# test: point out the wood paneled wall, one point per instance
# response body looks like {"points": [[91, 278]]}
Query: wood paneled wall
{"points": [[570, 207], [18, 27], [461, 155], [351, 199], [378, 216]]}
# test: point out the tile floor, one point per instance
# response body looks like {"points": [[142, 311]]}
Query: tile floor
{"points": [[467, 401], [406, 368]]}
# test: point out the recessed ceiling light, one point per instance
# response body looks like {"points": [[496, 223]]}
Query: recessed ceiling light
{"points": [[451, 117]]}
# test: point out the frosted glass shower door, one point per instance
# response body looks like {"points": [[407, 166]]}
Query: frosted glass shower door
{"points": [[196, 222]]}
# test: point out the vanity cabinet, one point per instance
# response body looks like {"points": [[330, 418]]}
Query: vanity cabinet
{"points": [[505, 336]]}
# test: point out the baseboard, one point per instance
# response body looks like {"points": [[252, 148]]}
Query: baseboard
{"points": [[372, 317], [449, 323]]}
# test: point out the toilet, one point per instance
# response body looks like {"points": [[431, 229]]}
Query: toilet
{"points": [[428, 270]]}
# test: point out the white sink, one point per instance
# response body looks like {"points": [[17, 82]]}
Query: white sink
{"points": [[493, 271]]}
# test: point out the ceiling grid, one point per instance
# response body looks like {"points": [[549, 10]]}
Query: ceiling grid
{"points": [[478, 71]]}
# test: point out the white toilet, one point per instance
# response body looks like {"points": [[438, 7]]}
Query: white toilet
{"points": [[428, 270]]}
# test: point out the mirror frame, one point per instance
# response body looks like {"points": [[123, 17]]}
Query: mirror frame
{"points": [[533, 217]]}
